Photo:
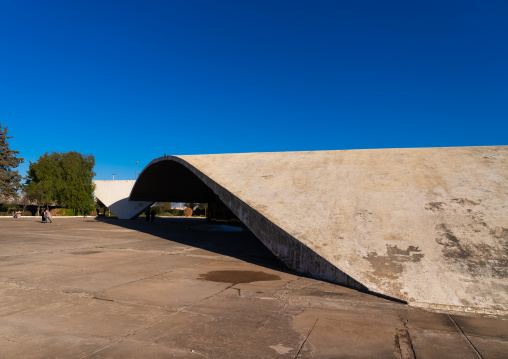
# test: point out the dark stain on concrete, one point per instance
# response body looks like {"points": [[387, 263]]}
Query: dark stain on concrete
{"points": [[453, 247], [238, 276], [465, 201], [477, 259], [434, 206], [500, 233], [391, 265], [85, 252]]}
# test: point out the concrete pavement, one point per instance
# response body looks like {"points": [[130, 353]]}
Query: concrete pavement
{"points": [[83, 288]]}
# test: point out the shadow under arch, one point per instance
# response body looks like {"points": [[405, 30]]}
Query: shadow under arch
{"points": [[172, 179]]}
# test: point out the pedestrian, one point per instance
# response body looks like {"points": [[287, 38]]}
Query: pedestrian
{"points": [[48, 216], [43, 214], [147, 215], [152, 215]]}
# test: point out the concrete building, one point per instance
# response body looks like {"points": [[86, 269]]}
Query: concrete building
{"points": [[427, 226], [115, 195]]}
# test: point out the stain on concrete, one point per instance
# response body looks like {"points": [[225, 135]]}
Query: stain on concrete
{"points": [[85, 252], [281, 349], [238, 276], [392, 237], [390, 266], [465, 202], [476, 258], [434, 206], [500, 233]]}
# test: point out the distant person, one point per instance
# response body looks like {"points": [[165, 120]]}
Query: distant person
{"points": [[147, 215], [48, 216], [14, 214], [43, 214], [152, 215]]}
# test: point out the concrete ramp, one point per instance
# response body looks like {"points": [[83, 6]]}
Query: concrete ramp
{"points": [[115, 195], [428, 226]]}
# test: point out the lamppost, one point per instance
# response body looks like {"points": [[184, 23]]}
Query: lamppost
{"points": [[114, 176]]}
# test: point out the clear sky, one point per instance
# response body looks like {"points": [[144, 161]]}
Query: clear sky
{"points": [[130, 81]]}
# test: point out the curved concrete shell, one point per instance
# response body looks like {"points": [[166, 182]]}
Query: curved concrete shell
{"points": [[428, 226], [115, 195]]}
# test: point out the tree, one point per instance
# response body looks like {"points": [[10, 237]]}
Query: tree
{"points": [[191, 205], [64, 179], [10, 180]]}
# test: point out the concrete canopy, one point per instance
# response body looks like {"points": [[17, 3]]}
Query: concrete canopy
{"points": [[115, 196], [428, 226]]}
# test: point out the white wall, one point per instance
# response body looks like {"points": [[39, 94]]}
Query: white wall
{"points": [[115, 195]]}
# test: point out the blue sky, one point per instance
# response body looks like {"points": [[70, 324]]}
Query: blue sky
{"points": [[130, 81]]}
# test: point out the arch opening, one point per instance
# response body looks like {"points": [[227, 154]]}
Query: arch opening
{"points": [[170, 181]]}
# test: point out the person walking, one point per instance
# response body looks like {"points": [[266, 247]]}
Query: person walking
{"points": [[48, 216], [43, 214], [152, 215]]}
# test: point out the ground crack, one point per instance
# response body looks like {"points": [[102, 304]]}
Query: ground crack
{"points": [[465, 336], [307, 337]]}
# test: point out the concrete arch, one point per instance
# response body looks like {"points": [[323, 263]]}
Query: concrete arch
{"points": [[172, 179], [428, 226]]}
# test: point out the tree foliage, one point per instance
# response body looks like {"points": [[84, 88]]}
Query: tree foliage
{"points": [[10, 180], [64, 179]]}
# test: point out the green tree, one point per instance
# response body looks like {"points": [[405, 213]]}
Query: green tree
{"points": [[10, 180], [64, 179]]}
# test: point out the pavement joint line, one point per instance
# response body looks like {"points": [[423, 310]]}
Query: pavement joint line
{"points": [[179, 310], [305, 340], [279, 312], [151, 277], [405, 321], [22, 286], [196, 313], [465, 336], [84, 295], [130, 335]]}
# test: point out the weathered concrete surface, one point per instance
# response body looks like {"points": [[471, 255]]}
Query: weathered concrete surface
{"points": [[115, 195], [428, 226], [81, 288]]}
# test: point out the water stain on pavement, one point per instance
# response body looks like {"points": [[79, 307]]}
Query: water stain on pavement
{"points": [[238, 276]]}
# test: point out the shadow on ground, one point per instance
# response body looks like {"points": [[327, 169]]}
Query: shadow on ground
{"points": [[242, 245]]}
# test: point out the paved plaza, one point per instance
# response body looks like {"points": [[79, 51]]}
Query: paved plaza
{"points": [[180, 288]]}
